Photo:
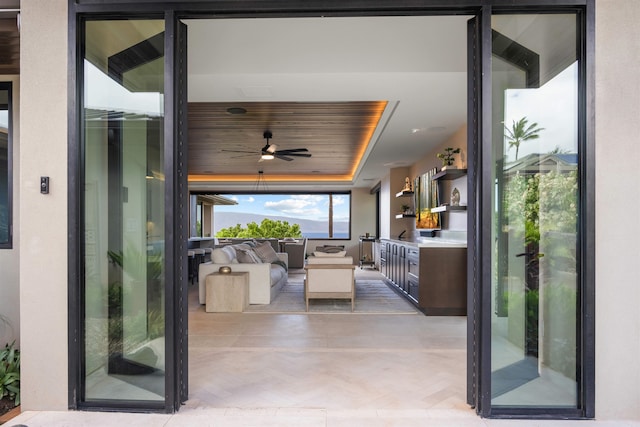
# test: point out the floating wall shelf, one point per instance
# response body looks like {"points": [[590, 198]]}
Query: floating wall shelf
{"points": [[405, 216], [448, 208], [404, 194], [449, 174]]}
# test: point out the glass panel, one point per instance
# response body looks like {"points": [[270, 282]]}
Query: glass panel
{"points": [[312, 215], [123, 106], [535, 144], [5, 166]]}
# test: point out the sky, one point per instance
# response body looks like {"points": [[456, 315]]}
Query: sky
{"points": [[554, 106], [103, 93], [306, 206]]}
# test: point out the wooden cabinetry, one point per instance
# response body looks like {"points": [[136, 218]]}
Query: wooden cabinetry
{"points": [[383, 258], [433, 278], [443, 281]]}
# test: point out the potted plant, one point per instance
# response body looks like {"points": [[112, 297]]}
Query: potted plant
{"points": [[9, 382], [447, 157]]}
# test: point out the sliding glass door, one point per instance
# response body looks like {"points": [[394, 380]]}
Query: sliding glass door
{"points": [[535, 202], [530, 205], [124, 212]]}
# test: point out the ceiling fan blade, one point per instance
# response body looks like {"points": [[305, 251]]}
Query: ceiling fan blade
{"points": [[293, 150], [272, 148], [281, 157], [293, 154]]}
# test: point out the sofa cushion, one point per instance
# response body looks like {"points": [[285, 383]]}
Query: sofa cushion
{"points": [[266, 253]]}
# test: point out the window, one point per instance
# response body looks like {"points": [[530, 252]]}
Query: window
{"points": [[5, 167], [319, 215]]}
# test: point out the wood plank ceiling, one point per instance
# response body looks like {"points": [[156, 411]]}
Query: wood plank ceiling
{"points": [[10, 46], [227, 147]]}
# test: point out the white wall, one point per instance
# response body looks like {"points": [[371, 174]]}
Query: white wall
{"points": [[385, 207], [618, 209], [43, 218], [10, 258]]}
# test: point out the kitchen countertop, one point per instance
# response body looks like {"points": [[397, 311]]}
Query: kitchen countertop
{"points": [[426, 242]]}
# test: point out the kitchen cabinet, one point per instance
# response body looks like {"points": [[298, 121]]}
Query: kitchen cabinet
{"points": [[434, 278]]}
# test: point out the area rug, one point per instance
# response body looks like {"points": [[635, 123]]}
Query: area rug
{"points": [[373, 296]]}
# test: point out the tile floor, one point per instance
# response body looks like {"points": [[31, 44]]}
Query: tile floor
{"points": [[329, 370]]}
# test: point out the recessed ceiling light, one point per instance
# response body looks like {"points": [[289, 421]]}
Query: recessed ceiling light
{"points": [[416, 130], [236, 110]]}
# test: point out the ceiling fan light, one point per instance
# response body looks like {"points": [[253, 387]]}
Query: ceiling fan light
{"points": [[267, 156]]}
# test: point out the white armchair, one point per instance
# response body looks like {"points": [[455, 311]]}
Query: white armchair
{"points": [[330, 277]]}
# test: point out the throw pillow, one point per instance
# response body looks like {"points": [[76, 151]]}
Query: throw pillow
{"points": [[331, 249], [330, 254], [266, 253], [247, 256], [220, 256]]}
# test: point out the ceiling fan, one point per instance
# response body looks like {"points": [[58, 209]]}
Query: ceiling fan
{"points": [[270, 151]]}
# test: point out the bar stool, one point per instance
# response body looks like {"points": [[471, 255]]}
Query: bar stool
{"points": [[191, 256], [199, 259], [207, 254]]}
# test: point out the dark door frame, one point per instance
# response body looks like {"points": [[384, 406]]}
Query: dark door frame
{"points": [[479, 177]]}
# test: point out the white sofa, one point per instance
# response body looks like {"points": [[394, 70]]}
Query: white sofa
{"points": [[265, 278]]}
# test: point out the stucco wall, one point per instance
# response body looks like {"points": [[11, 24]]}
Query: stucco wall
{"points": [[618, 209], [43, 226], [10, 258], [43, 218]]}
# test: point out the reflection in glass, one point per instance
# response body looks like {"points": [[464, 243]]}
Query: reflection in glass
{"points": [[5, 165], [124, 210], [535, 144]]}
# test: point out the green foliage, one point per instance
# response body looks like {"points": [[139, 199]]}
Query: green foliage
{"points": [[10, 373], [520, 133], [136, 268], [447, 156], [541, 203], [268, 228], [560, 302]]}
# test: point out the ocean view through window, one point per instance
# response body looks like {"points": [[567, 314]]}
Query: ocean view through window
{"points": [[319, 215]]}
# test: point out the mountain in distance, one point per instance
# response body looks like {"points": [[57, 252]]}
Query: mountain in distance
{"points": [[307, 226]]}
